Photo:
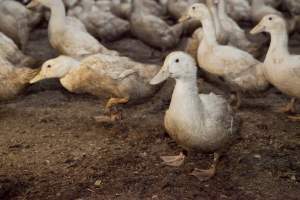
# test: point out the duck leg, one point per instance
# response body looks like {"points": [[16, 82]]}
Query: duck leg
{"points": [[289, 108], [237, 98], [114, 115], [174, 161], [205, 174]]}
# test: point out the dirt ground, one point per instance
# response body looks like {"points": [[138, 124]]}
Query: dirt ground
{"points": [[51, 148]]}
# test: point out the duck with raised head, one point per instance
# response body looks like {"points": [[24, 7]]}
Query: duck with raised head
{"points": [[67, 34], [203, 123], [238, 68], [102, 75], [222, 35], [10, 52], [153, 30], [13, 79], [281, 68]]}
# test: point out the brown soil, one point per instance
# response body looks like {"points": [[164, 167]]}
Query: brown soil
{"points": [[51, 148]]}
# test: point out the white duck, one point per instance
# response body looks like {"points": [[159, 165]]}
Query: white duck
{"points": [[260, 9], [67, 34], [102, 75], [240, 69], [280, 67], [16, 21], [10, 52], [202, 122]]}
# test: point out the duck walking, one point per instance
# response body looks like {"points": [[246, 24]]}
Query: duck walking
{"points": [[202, 122], [280, 67]]}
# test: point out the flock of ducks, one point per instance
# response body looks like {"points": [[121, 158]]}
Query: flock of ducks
{"points": [[218, 46]]}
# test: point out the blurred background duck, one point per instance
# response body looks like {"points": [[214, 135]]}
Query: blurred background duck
{"points": [[103, 75], [152, 29], [280, 67], [16, 21], [239, 68], [67, 34], [203, 123], [13, 79], [99, 20], [10, 52]]}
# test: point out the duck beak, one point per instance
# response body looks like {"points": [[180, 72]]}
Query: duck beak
{"points": [[37, 78], [184, 18], [161, 76], [259, 28], [32, 4]]}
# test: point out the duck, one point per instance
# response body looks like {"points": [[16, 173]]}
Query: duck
{"points": [[240, 70], [16, 21], [103, 75], [237, 36], [10, 51], [13, 80], [61, 32], [99, 21], [152, 30], [281, 68], [239, 10], [197, 122], [194, 42]]}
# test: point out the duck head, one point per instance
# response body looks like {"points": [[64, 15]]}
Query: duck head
{"points": [[177, 65], [196, 11], [56, 68], [269, 23]]}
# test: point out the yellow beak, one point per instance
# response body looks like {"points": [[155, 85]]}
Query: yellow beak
{"points": [[32, 4], [184, 18], [258, 28], [37, 78]]}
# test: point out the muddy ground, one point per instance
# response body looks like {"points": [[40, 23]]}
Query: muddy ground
{"points": [[51, 148]]}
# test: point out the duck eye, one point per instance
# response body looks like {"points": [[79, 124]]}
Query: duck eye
{"points": [[270, 18], [193, 7], [48, 66], [177, 60]]}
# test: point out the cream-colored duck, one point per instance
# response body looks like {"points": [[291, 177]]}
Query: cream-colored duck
{"points": [[102, 75], [13, 79], [239, 68], [239, 10], [237, 36], [99, 20], [280, 67], [67, 34], [202, 122], [10, 52], [16, 21], [222, 35], [153, 30]]}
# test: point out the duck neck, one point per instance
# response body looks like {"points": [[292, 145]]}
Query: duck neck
{"points": [[222, 9], [279, 44], [185, 93], [58, 15], [215, 16], [209, 31], [66, 79]]}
